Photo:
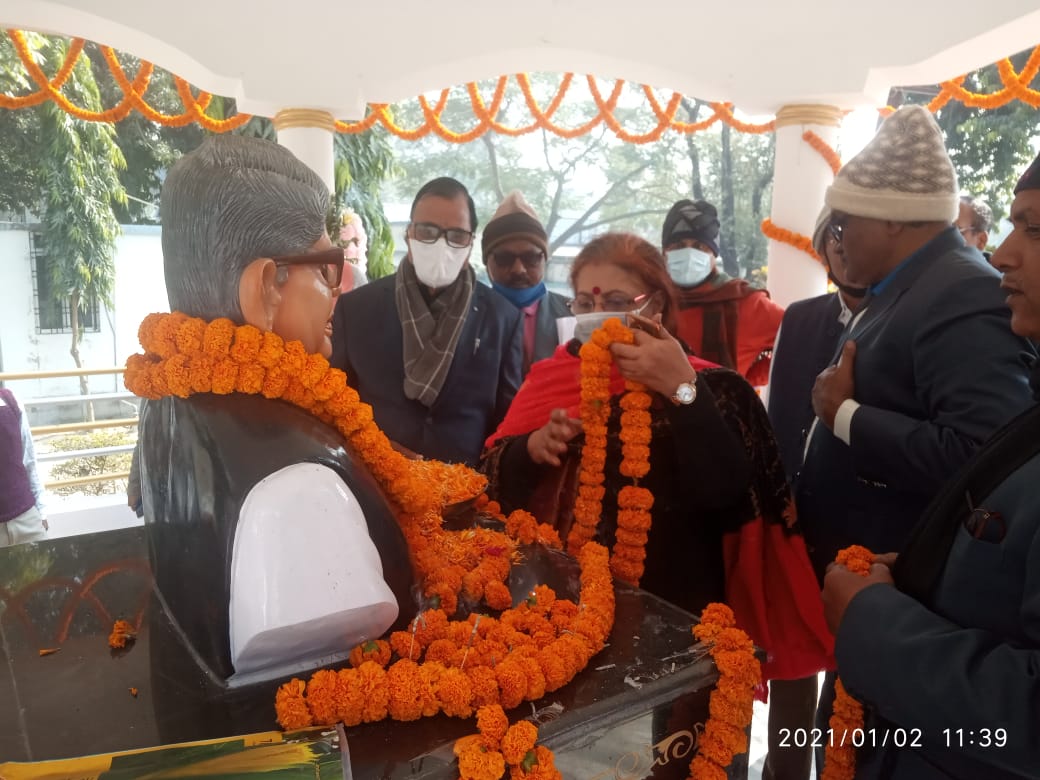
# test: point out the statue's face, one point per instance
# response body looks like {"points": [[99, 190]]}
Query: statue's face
{"points": [[304, 311]]}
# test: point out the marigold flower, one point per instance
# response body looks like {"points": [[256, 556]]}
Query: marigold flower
{"points": [[250, 378], [246, 345], [323, 697], [290, 706], [217, 339], [476, 764], [376, 650], [455, 693], [497, 595], [190, 335], [405, 690], [350, 705], [519, 739], [484, 685], [225, 374], [856, 558]]}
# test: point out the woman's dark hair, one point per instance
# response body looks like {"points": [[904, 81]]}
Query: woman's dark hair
{"points": [[639, 258]]}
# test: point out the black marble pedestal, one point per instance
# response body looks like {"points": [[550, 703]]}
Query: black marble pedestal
{"points": [[632, 713]]}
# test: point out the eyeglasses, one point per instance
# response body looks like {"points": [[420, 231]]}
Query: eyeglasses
{"points": [[329, 262], [964, 231], [586, 304], [428, 233], [531, 258], [837, 231]]}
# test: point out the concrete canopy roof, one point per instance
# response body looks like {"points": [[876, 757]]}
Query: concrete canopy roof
{"points": [[338, 56]]}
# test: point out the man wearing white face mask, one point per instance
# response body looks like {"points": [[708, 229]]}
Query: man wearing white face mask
{"points": [[437, 356], [721, 319]]}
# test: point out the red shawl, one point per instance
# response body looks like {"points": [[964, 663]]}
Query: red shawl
{"points": [[555, 383], [770, 584]]}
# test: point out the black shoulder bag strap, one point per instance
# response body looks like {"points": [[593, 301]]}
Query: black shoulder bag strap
{"points": [[920, 565]]}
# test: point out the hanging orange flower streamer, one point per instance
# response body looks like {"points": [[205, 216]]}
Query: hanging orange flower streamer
{"points": [[731, 704], [1015, 86], [847, 715]]}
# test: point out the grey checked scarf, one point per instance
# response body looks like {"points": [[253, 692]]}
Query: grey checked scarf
{"points": [[430, 331]]}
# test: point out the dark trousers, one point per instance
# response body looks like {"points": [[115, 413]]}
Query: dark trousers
{"points": [[792, 707]]}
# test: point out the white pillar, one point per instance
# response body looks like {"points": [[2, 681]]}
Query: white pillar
{"points": [[308, 133], [800, 178]]}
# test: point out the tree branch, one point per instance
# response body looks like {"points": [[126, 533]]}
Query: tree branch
{"points": [[579, 223], [496, 179]]}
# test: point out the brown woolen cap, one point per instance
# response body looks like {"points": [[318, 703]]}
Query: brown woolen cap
{"points": [[513, 219]]}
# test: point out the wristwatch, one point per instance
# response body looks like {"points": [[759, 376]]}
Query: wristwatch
{"points": [[686, 393]]}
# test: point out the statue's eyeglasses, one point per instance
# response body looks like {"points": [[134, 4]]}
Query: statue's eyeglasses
{"points": [[329, 262]]}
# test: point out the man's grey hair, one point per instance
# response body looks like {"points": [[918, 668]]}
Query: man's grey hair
{"points": [[225, 204], [981, 213]]}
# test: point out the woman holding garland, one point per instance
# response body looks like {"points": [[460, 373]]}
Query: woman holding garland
{"points": [[721, 524]]}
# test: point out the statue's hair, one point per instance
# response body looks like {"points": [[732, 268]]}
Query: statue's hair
{"points": [[225, 204]]}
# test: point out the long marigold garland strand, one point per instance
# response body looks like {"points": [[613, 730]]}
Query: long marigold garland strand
{"points": [[634, 502], [846, 720], [731, 704]]}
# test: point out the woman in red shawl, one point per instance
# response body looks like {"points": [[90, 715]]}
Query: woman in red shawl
{"points": [[723, 525]]}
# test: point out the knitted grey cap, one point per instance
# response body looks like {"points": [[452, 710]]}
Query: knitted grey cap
{"points": [[904, 174]]}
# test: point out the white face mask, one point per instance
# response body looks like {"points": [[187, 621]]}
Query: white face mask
{"points": [[438, 264], [689, 266], [586, 324]]}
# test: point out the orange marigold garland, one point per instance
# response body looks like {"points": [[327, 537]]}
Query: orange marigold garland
{"points": [[537, 646], [499, 746], [731, 704], [634, 503], [839, 761]]}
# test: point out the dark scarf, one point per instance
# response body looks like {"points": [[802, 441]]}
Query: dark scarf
{"points": [[430, 330]]}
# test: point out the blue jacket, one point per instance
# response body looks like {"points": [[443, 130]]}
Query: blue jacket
{"points": [[483, 378], [937, 372], [956, 673]]}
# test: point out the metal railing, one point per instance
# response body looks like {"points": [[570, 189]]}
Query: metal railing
{"points": [[85, 425]]}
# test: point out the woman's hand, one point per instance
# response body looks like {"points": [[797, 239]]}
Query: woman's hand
{"points": [[549, 442], [656, 359]]}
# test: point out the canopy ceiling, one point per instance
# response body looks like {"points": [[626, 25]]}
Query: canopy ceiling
{"points": [[338, 56]]}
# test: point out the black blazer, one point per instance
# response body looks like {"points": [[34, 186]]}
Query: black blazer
{"points": [[483, 378], [546, 338], [937, 371], [805, 344]]}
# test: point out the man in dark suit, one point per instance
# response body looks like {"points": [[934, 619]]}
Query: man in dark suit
{"points": [[516, 250], [436, 355], [924, 373], [805, 344], [926, 370]]}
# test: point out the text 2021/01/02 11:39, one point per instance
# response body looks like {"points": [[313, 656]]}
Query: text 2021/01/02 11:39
{"points": [[958, 738]]}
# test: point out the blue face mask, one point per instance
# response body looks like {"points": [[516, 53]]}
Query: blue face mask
{"points": [[522, 296], [689, 267]]}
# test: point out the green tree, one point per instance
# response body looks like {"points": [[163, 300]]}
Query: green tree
{"points": [[73, 184], [364, 161]]}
